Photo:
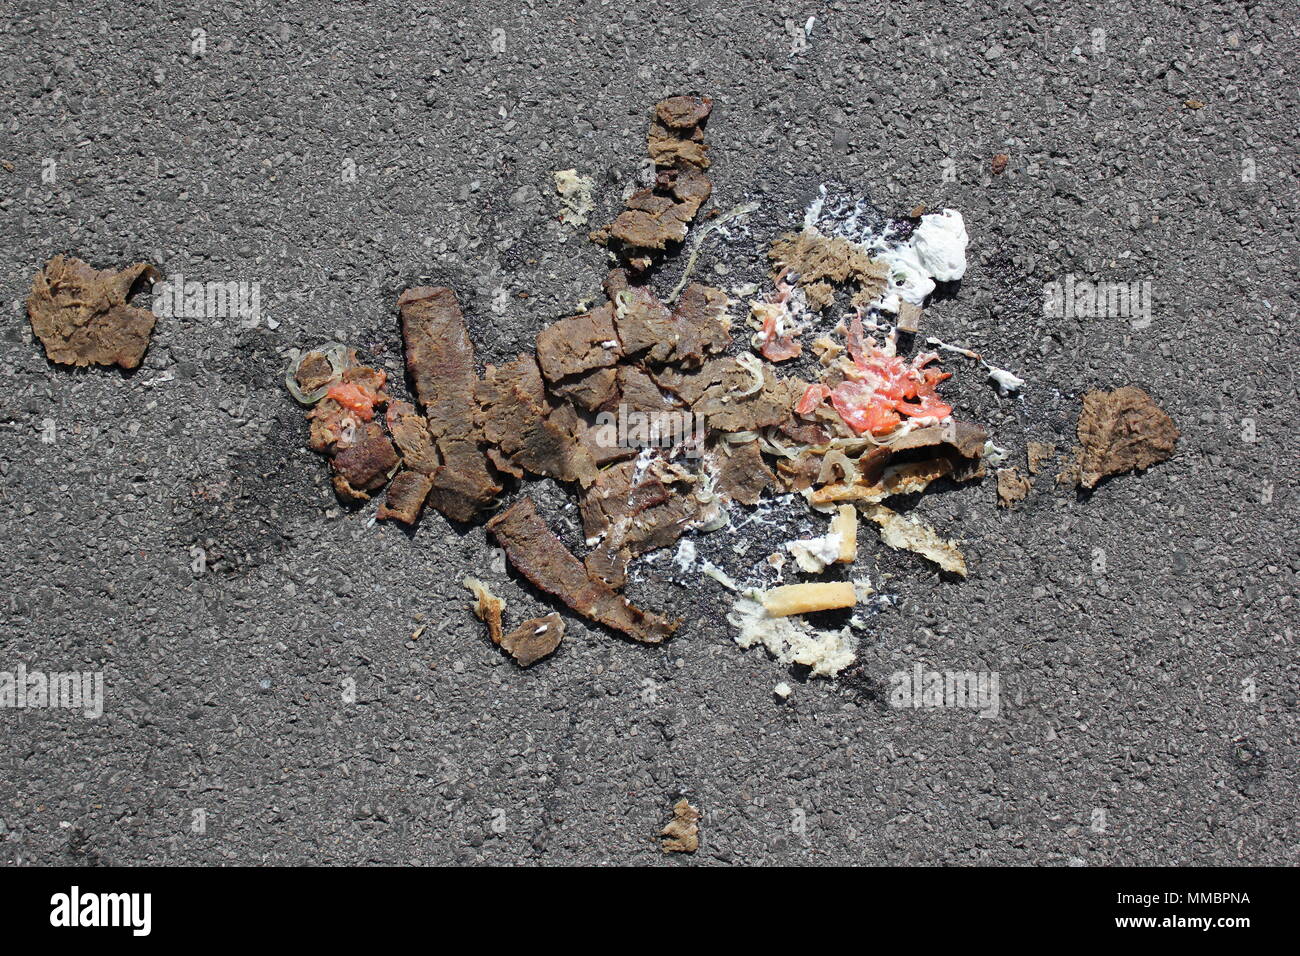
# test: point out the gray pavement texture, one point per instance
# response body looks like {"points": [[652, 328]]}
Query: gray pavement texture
{"points": [[267, 699]]}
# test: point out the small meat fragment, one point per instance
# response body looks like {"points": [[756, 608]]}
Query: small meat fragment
{"points": [[542, 558], [735, 404], [406, 497], [702, 322], [660, 215], [1037, 454], [809, 597], [410, 431], [911, 535], [314, 372], [82, 317], [534, 639], [347, 404], [363, 465], [1121, 431], [592, 390], [464, 484], [578, 344], [682, 835], [742, 475], [647, 328], [629, 519], [999, 164], [1013, 487]]}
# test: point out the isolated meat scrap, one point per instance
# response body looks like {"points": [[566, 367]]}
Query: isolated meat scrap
{"points": [[541, 557], [662, 213], [440, 361], [1120, 431], [82, 316]]}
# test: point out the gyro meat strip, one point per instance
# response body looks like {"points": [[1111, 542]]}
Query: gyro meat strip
{"points": [[639, 393], [590, 390], [440, 361], [676, 136], [646, 327], [406, 497], [683, 112], [82, 317], [464, 484], [410, 430], [690, 187], [596, 439], [542, 558], [689, 386], [1121, 431], [519, 422], [578, 344], [703, 326], [439, 358], [661, 215]]}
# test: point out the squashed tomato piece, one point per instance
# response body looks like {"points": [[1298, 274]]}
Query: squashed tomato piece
{"points": [[778, 348], [863, 409], [355, 398], [813, 396]]}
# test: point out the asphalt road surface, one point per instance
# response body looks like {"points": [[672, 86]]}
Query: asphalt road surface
{"points": [[266, 698]]}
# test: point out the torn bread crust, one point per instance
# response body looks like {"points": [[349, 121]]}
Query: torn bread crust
{"points": [[791, 640], [909, 534], [534, 550], [682, 834], [82, 316], [1122, 430], [487, 607]]}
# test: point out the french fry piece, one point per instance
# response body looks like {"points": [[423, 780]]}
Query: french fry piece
{"points": [[845, 524], [809, 597]]}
